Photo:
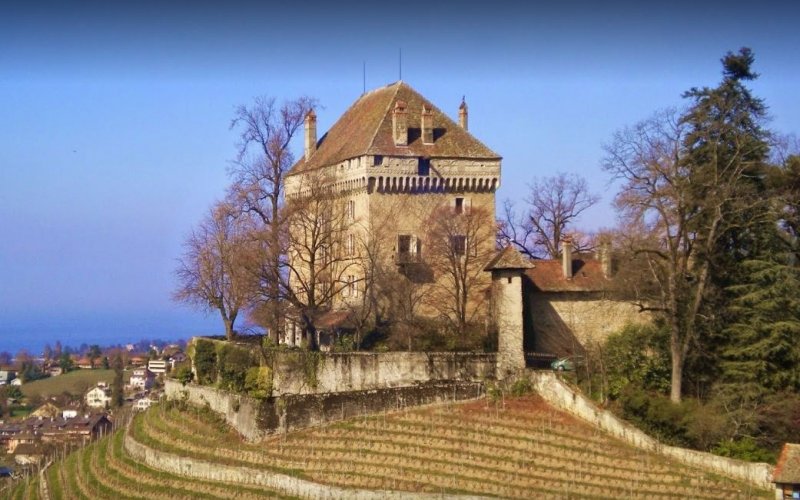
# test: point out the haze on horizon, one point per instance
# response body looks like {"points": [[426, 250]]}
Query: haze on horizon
{"points": [[115, 139]]}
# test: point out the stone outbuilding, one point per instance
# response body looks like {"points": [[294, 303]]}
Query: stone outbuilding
{"points": [[787, 473]]}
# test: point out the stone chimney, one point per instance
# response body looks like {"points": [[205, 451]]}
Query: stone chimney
{"points": [[311, 134], [400, 124], [604, 256], [566, 257], [462, 114], [426, 124]]}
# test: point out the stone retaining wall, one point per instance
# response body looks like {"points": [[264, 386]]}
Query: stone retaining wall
{"points": [[362, 371], [256, 418], [556, 392]]}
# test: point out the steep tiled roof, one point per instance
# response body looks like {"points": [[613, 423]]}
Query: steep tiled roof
{"points": [[587, 276], [787, 470], [508, 258], [366, 129]]}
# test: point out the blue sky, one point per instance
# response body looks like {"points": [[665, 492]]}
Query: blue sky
{"points": [[114, 119]]}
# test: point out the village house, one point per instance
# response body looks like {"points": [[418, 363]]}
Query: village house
{"points": [[143, 404], [98, 397], [6, 376], [176, 358], [142, 379], [29, 454], [157, 366]]}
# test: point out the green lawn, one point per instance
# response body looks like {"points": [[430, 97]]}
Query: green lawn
{"points": [[75, 382]]}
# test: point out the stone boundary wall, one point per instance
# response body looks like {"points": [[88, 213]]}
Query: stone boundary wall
{"points": [[240, 412], [254, 419], [291, 412], [362, 371], [201, 469], [560, 395]]}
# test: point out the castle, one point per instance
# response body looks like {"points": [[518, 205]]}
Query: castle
{"points": [[395, 183]]}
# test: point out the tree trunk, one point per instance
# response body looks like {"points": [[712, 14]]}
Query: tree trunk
{"points": [[228, 329], [677, 370]]}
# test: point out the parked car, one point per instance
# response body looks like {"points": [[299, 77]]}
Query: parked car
{"points": [[567, 364]]}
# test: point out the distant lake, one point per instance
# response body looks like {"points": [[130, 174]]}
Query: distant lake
{"points": [[33, 331]]}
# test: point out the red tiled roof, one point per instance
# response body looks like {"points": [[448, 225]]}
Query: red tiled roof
{"points": [[587, 276], [787, 470], [366, 129]]}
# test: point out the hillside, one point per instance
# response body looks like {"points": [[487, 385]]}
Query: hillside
{"points": [[75, 382], [525, 450]]}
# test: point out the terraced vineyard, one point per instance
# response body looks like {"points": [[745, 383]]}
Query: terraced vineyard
{"points": [[525, 450], [104, 470]]}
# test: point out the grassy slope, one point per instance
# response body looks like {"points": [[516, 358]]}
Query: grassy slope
{"points": [[75, 382]]}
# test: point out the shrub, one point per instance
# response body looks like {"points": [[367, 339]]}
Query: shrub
{"points": [[638, 355], [205, 361], [258, 382], [233, 363], [521, 387], [184, 374], [745, 448]]}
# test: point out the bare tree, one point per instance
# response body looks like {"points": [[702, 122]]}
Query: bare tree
{"points": [[263, 159], [552, 207], [678, 208], [212, 273], [319, 266], [459, 245]]}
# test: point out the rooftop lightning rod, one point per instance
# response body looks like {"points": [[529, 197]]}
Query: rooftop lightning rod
{"points": [[400, 62]]}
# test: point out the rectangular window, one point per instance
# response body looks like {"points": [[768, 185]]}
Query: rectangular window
{"points": [[351, 210], [350, 246], [409, 248], [458, 244], [404, 244], [424, 166], [377, 160], [350, 287], [461, 206]]}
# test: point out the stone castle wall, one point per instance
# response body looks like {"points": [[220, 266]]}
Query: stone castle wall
{"points": [[564, 323]]}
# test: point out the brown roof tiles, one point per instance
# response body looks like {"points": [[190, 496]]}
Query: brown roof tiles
{"points": [[366, 129], [548, 276]]}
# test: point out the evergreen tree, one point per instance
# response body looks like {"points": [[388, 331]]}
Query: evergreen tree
{"points": [[764, 347], [117, 387]]}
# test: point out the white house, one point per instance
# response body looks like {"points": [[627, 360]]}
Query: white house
{"points": [[143, 404], [157, 366], [98, 397], [142, 378]]}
